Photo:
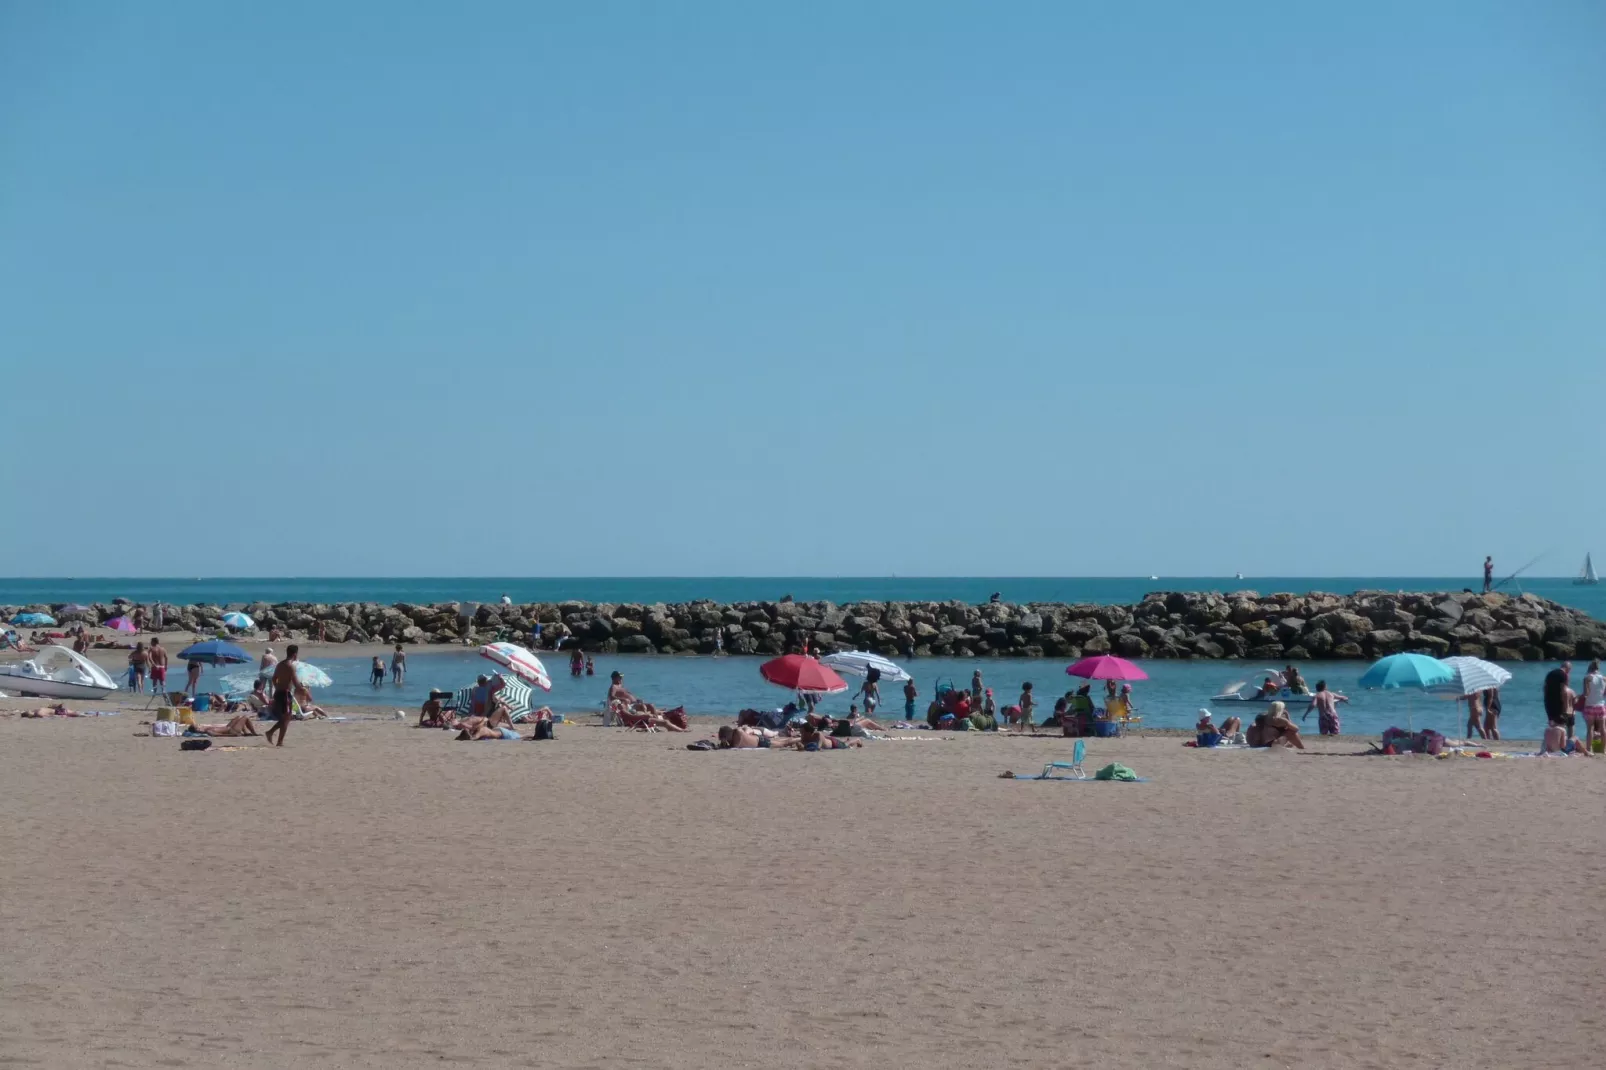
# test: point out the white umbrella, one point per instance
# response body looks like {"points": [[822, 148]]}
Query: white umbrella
{"points": [[239, 621], [1474, 674], [860, 662], [525, 665]]}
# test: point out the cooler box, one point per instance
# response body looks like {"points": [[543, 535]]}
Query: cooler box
{"points": [[201, 703], [1105, 729]]}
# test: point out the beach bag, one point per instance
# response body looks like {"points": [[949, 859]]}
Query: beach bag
{"points": [[200, 743], [543, 730]]}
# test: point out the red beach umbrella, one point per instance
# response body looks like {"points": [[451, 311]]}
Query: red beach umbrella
{"points": [[798, 673], [1106, 667]]}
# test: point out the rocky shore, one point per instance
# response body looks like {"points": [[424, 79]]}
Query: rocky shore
{"points": [[1243, 624]]}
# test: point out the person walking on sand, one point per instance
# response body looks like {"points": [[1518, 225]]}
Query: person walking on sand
{"points": [[1594, 706], [158, 667], [398, 665], [1488, 574], [1027, 702], [284, 682], [138, 661], [1325, 703]]}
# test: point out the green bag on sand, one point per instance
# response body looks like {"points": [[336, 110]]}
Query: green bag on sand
{"points": [[1115, 771]]}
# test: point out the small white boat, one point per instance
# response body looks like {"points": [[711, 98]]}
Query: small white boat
{"points": [[56, 672], [1587, 573], [1250, 691]]}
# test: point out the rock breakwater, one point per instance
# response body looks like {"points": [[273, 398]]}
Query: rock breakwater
{"points": [[1176, 624]]}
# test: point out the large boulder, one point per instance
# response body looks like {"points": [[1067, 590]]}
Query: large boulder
{"points": [[1386, 641]]}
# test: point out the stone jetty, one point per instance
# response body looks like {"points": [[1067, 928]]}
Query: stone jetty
{"points": [[1176, 624]]}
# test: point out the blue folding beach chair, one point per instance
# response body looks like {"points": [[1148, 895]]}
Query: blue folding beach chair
{"points": [[1072, 769]]}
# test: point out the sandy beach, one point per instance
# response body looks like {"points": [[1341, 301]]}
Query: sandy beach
{"points": [[374, 895]]}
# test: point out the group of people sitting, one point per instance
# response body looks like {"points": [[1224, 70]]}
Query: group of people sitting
{"points": [[1269, 729], [488, 716]]}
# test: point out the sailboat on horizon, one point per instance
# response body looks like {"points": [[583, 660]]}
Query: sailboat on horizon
{"points": [[1587, 573]]}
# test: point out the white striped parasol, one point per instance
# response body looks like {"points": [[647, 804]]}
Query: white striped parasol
{"points": [[520, 662], [1473, 674], [860, 662]]}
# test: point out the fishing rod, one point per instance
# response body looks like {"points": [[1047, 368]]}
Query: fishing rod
{"points": [[1520, 571]]}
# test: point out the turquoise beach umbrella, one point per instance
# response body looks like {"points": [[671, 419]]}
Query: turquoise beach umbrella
{"points": [[1412, 671], [1407, 670]]}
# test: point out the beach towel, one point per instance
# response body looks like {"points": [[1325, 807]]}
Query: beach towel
{"points": [[1115, 771]]}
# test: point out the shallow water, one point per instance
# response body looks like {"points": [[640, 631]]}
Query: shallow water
{"points": [[1170, 698]]}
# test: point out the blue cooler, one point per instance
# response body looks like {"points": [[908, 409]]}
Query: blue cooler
{"points": [[201, 703], [1106, 729]]}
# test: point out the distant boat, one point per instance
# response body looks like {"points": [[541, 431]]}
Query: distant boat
{"points": [[1239, 576], [1587, 573], [1154, 577]]}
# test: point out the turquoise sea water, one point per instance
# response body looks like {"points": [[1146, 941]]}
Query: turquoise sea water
{"points": [[1171, 698], [648, 589]]}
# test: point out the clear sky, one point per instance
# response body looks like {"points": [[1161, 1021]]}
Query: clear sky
{"points": [[853, 288]]}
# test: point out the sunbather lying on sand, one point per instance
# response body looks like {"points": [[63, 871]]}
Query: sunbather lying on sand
{"points": [[239, 725], [58, 710], [741, 737], [482, 728]]}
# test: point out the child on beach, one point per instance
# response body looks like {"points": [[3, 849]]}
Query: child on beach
{"points": [[591, 668], [1325, 703], [1026, 704], [398, 665], [376, 675]]}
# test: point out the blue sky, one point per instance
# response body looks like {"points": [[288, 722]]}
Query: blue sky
{"points": [[838, 288]]}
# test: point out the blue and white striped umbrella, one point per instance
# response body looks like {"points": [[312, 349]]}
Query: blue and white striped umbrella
{"points": [[860, 662], [239, 621], [1472, 675]]}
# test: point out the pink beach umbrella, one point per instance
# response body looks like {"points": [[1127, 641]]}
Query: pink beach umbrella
{"points": [[1106, 667], [120, 624]]}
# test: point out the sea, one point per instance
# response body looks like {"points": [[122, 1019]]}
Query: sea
{"points": [[1170, 698], [648, 589]]}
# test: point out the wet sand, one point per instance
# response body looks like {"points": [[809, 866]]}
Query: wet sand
{"points": [[374, 895]]}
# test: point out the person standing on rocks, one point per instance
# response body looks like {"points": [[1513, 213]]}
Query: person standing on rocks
{"points": [[284, 682], [1488, 574]]}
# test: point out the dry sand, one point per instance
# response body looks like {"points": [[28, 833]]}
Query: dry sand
{"points": [[375, 895]]}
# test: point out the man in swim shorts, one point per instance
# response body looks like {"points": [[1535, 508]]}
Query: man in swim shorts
{"points": [[158, 655], [284, 682]]}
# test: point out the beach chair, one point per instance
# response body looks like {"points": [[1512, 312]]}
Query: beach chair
{"points": [[1072, 770], [636, 722], [1120, 713]]}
